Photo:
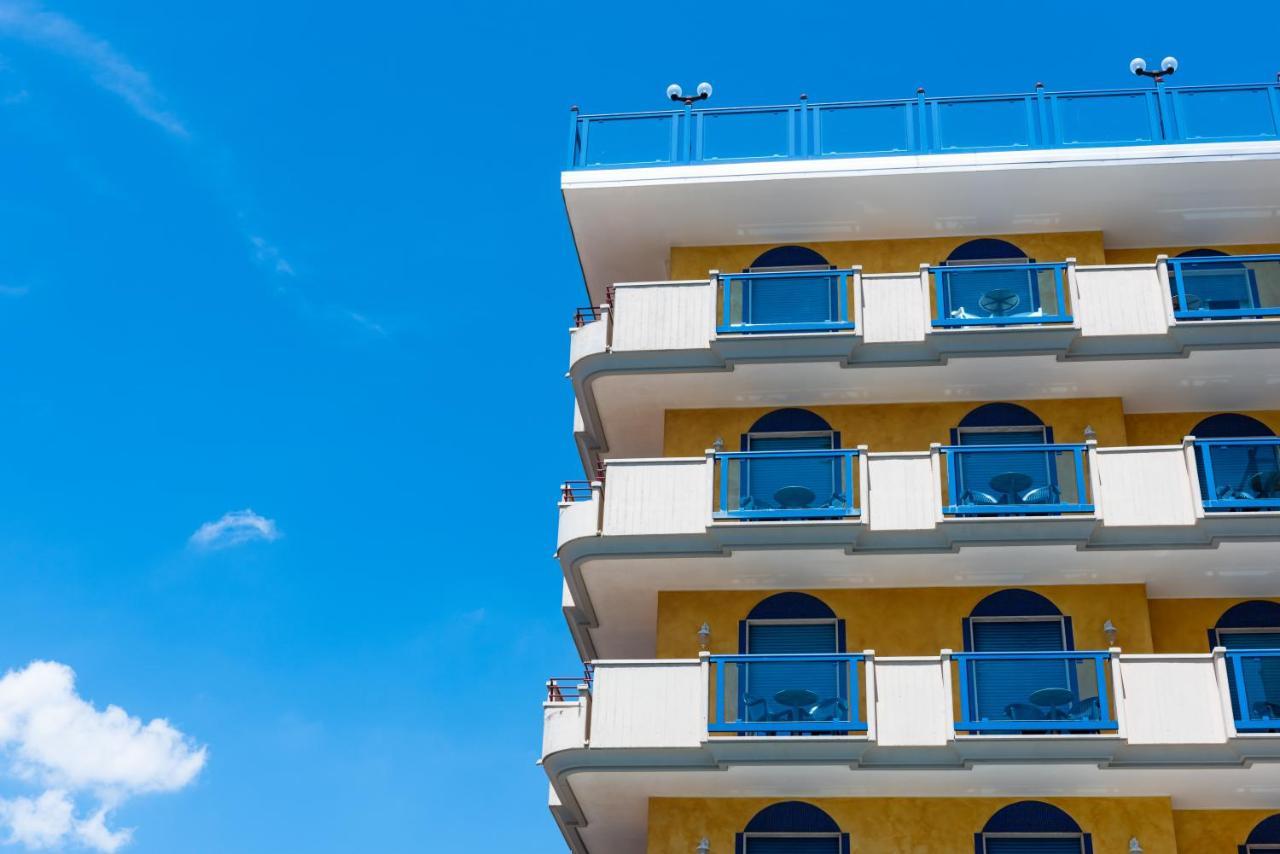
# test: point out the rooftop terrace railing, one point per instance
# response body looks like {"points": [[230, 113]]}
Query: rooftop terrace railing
{"points": [[922, 125]]}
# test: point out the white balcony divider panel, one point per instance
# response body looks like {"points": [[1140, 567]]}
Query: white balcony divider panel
{"points": [[902, 493], [1144, 486], [648, 704], [912, 702], [1119, 300], [564, 725], [590, 338], [663, 315], [895, 307], [579, 519], [1172, 699], [669, 495]]}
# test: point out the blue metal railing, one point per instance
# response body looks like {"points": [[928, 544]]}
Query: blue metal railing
{"points": [[1239, 474], [794, 301], [1254, 676], [1034, 692], [1016, 480], [1226, 286], [779, 694], [1081, 119], [1000, 294], [787, 484]]}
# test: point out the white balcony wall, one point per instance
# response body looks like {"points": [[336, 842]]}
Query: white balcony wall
{"points": [[913, 702], [663, 315], [1144, 486], [658, 496], [895, 308], [579, 519], [648, 704], [1172, 699], [590, 338], [564, 725], [1119, 300], [902, 492]]}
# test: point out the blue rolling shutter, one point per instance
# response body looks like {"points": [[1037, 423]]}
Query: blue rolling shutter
{"points": [[1000, 683], [794, 845], [766, 679], [964, 289], [976, 471], [763, 477], [782, 299], [1220, 286], [1234, 467], [1261, 675], [1031, 845]]}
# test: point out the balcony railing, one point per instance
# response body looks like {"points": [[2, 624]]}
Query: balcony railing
{"points": [[1034, 692], [921, 125], [1226, 286], [1016, 480], [795, 301], [777, 694], [1254, 675], [1239, 474], [1000, 294], [787, 484]]}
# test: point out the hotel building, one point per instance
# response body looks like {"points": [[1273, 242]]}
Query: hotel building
{"points": [[931, 492]]}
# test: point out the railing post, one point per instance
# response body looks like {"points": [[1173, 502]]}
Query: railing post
{"points": [[869, 681], [856, 273], [1042, 114], [1162, 275], [1224, 690], [802, 117], [1193, 474], [692, 135], [719, 497], [864, 488], [1071, 288], [925, 137], [1242, 691], [704, 666], [1168, 132], [573, 136]]}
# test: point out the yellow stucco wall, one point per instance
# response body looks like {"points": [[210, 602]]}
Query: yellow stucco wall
{"points": [[911, 825], [904, 621], [1169, 428], [1215, 831], [893, 426], [887, 256], [1148, 255], [1182, 625]]}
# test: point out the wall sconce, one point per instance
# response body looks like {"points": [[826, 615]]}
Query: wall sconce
{"points": [[704, 636], [1134, 847], [704, 847], [1090, 435], [1109, 629], [718, 444]]}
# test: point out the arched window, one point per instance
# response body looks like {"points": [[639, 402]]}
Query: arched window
{"points": [[987, 250], [989, 291], [1202, 253], [1018, 620], [791, 477], [1265, 837], [1214, 285], [792, 827], [789, 258], [785, 289], [1248, 626], [802, 690], [1031, 827], [1015, 477], [1240, 471]]}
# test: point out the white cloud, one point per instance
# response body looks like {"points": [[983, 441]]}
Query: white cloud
{"points": [[33, 23], [234, 529], [270, 256], [78, 755]]}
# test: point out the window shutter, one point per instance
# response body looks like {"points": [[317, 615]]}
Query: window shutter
{"points": [[975, 471], [1235, 465], [763, 477], [782, 299], [1220, 286], [765, 679], [1261, 675], [997, 684], [964, 289], [793, 845], [1032, 845]]}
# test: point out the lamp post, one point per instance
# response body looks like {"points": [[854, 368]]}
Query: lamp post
{"points": [[1168, 65], [675, 93]]}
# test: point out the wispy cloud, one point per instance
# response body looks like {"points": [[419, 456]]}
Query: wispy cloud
{"points": [[234, 529], [33, 23], [81, 763], [269, 256]]}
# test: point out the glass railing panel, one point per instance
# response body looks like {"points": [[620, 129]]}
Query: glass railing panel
{"points": [[973, 124], [800, 301], [747, 134], [1000, 295], [1104, 118], [638, 139], [787, 484], [1225, 113], [1016, 480], [1254, 678], [873, 128], [1225, 287], [787, 694], [1239, 474], [1030, 692]]}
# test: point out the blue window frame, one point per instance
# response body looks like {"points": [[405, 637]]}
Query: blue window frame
{"points": [[1265, 837], [1032, 827], [792, 827]]}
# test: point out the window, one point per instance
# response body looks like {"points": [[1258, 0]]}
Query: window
{"points": [[1265, 837], [792, 827], [1032, 827], [799, 299], [1240, 471], [792, 482], [1252, 625], [793, 624], [1016, 477]]}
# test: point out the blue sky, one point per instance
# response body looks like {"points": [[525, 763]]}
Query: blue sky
{"points": [[311, 259]]}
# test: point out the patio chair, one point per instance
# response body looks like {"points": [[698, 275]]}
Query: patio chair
{"points": [[1087, 709], [978, 497], [829, 709], [1048, 494], [1024, 712]]}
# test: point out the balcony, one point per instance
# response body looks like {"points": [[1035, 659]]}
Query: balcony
{"points": [[800, 301], [923, 125], [788, 484], [1254, 676], [1000, 295], [1225, 286], [1016, 480], [1239, 474], [1034, 692]]}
